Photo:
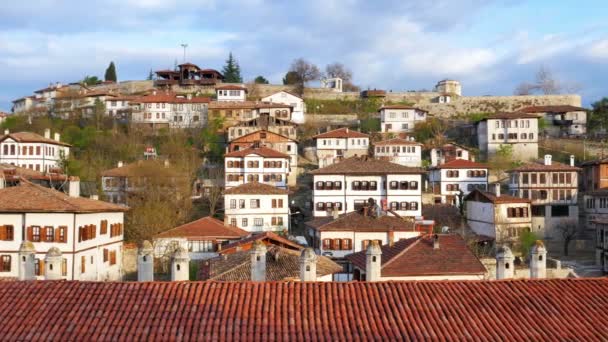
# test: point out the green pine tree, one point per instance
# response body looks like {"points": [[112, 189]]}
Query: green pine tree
{"points": [[260, 80], [232, 70], [111, 73], [150, 75]]}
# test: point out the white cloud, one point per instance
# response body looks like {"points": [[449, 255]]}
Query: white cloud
{"points": [[598, 50]]}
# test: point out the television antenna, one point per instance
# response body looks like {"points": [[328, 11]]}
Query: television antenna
{"points": [[184, 45]]}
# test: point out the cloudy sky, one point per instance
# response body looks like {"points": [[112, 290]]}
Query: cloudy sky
{"points": [[490, 46]]}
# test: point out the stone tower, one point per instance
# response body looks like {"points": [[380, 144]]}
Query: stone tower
{"points": [[449, 87], [504, 263], [180, 265], [145, 262], [258, 261], [308, 265], [538, 260], [27, 259], [52, 264], [373, 262]]}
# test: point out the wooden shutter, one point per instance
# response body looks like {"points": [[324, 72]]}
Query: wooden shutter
{"points": [[41, 266], [346, 244], [364, 244], [280, 203], [30, 234], [104, 227], [105, 255], [326, 243], [83, 262], [3, 233], [113, 258], [274, 203], [58, 234]]}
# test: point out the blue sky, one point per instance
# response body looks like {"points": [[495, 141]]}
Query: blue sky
{"points": [[490, 46]]}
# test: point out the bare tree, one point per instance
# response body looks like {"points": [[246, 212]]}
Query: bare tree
{"points": [[213, 182], [305, 71], [546, 81], [525, 89], [567, 230], [339, 70]]}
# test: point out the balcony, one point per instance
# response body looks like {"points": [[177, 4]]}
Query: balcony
{"points": [[562, 122], [161, 83]]}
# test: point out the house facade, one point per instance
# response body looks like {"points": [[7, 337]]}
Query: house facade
{"points": [[336, 145], [257, 207], [169, 110], [449, 152], [348, 185], [187, 75], [33, 151], [296, 102], [88, 233], [233, 113], [594, 175], [561, 121], [595, 204], [516, 131], [231, 92], [457, 176], [400, 119], [267, 123], [552, 188], [406, 152], [260, 164], [601, 243]]}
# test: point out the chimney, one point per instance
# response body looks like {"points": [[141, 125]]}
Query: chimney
{"points": [[47, 133], [308, 265], [52, 264], [119, 163], [391, 237], [180, 265], [74, 187], [435, 241], [189, 96], [57, 136], [497, 186], [335, 213], [2, 181], [548, 159], [145, 262], [258, 261], [504, 263], [154, 92], [572, 160], [346, 129], [94, 197], [7, 132], [538, 261], [27, 258], [373, 261]]}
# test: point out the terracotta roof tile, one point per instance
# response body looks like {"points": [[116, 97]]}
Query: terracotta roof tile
{"points": [[341, 133], [514, 310], [269, 238], [261, 151], [231, 87], [206, 227], [141, 168], [29, 137], [366, 166], [16, 172], [396, 141], [255, 188], [169, 97], [401, 107], [245, 105], [539, 165], [552, 109], [478, 195], [462, 164], [417, 257], [510, 115], [355, 221]]}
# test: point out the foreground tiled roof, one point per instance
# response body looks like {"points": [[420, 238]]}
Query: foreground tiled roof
{"points": [[261, 151], [255, 188], [355, 221], [396, 141], [341, 133], [512, 310], [28, 197], [483, 196], [281, 264], [29, 137], [539, 165], [552, 109], [366, 166], [269, 238], [461, 164], [204, 228], [12, 172], [417, 257]]}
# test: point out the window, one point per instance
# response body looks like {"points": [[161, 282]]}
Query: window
{"points": [[347, 244], [254, 203], [337, 185], [394, 185], [501, 136], [233, 222], [559, 211], [524, 178], [413, 205], [7, 233], [115, 229], [320, 206], [5, 263], [232, 204], [49, 234], [62, 235], [83, 264], [201, 246], [258, 222], [413, 185], [320, 185], [105, 255], [241, 204], [531, 136], [64, 267], [533, 178], [543, 178], [113, 258], [35, 234], [103, 227], [244, 222]]}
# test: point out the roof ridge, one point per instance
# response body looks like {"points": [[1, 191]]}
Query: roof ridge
{"points": [[417, 240], [51, 193]]}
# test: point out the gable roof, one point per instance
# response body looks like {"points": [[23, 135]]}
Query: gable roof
{"points": [[141, 168], [169, 97], [483, 196], [461, 164], [539, 165], [343, 132], [552, 109], [417, 257], [255, 188], [355, 221], [244, 137], [12, 172], [28, 197], [284, 91], [401, 107], [366, 166], [246, 105], [29, 137], [508, 310], [396, 141], [510, 115], [204, 228], [269, 237], [231, 87], [261, 151]]}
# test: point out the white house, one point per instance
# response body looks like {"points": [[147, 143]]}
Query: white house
{"points": [[257, 164], [498, 216], [399, 151], [424, 257], [88, 233], [23, 104], [449, 179], [595, 208], [118, 105], [449, 152], [202, 238], [561, 120], [348, 185], [338, 144], [516, 130], [257, 207], [285, 97], [553, 189], [231, 92], [165, 109], [33, 151], [400, 119]]}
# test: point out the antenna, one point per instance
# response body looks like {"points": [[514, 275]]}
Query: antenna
{"points": [[184, 45]]}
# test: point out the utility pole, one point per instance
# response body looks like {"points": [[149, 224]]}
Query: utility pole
{"points": [[184, 46]]}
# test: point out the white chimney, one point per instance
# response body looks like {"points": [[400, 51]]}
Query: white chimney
{"points": [[2, 181], [572, 160], [308, 265], [27, 259], [258, 261], [335, 213], [6, 131], [119, 163], [538, 261], [180, 265], [74, 187], [47, 133], [435, 241], [373, 262], [504, 263], [548, 159], [57, 136], [145, 262], [497, 186], [52, 264]]}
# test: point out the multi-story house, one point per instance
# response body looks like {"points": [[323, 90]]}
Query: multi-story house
{"points": [[601, 243], [334, 146], [595, 207], [277, 142], [517, 130], [594, 175], [23, 104], [406, 152], [118, 106], [498, 216], [164, 109], [257, 207], [400, 119], [457, 177], [260, 164], [267, 123], [563, 120], [348, 185], [119, 183], [231, 92], [449, 152], [553, 190], [187, 75], [296, 102], [88, 233], [232, 113], [33, 151]]}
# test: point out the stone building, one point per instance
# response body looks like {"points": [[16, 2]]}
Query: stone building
{"points": [[516, 130]]}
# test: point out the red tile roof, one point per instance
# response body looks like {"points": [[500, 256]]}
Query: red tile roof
{"points": [[140, 168], [539, 165], [366, 166], [461, 164], [261, 151], [231, 87], [29, 137], [278, 137], [27, 197], [510, 115], [417, 257], [255, 188], [482, 196], [162, 97], [355, 221], [552, 109], [269, 238], [341, 133], [511, 310], [396, 141], [401, 107], [14, 173], [202, 229], [245, 105]]}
